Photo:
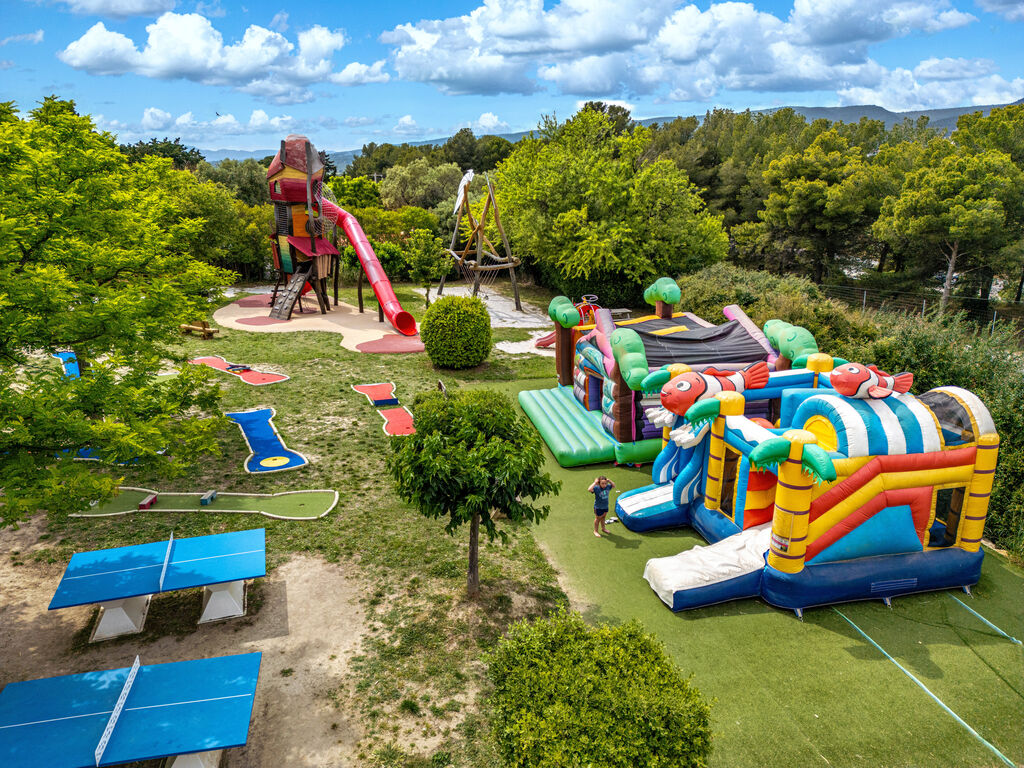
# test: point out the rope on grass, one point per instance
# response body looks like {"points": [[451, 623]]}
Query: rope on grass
{"points": [[989, 623], [924, 688]]}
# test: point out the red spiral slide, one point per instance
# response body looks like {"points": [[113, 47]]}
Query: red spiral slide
{"points": [[402, 321]]}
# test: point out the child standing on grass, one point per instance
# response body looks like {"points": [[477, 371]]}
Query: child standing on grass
{"points": [[601, 487]]}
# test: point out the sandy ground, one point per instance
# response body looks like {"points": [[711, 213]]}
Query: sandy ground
{"points": [[311, 622]]}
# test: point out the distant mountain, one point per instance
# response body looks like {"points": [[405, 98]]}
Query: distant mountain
{"points": [[942, 119]]}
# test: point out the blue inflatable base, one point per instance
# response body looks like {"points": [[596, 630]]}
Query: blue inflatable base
{"points": [[871, 578], [747, 585], [654, 518]]}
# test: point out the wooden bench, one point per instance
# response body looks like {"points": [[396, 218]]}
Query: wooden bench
{"points": [[200, 327]]}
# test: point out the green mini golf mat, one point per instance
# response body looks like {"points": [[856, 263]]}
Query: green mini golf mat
{"points": [[289, 505], [575, 435]]}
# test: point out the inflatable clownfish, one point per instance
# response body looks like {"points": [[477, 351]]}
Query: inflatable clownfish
{"points": [[687, 388], [866, 381]]}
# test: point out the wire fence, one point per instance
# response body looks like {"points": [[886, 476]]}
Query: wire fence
{"points": [[985, 313]]}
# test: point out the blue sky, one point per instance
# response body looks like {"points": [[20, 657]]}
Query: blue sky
{"points": [[224, 74]]}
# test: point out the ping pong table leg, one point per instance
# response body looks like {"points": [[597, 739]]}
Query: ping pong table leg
{"points": [[198, 760], [223, 601], [121, 617]]}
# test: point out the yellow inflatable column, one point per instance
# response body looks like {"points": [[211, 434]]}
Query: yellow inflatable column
{"points": [[972, 522], [820, 363], [792, 507], [732, 404]]}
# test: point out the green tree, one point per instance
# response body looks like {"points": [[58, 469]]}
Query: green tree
{"points": [[420, 183], [491, 150], [1002, 129], [461, 149], [471, 458], [246, 179], [812, 199], [618, 115], [183, 157], [359, 192], [964, 206], [428, 259], [375, 159], [567, 694], [87, 264], [579, 202]]}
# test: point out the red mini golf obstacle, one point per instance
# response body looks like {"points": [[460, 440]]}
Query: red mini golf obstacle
{"points": [[397, 419], [244, 372]]}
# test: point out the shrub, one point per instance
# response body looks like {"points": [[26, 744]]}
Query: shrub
{"points": [[765, 296], [391, 256], [567, 695], [456, 332]]}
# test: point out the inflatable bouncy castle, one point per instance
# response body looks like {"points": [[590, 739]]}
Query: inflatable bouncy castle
{"points": [[599, 411], [861, 490]]}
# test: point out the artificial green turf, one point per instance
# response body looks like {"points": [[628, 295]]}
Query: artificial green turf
{"points": [[292, 505], [810, 692]]}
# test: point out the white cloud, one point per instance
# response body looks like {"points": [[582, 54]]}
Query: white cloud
{"points": [[155, 119], [25, 37], [102, 52], [1012, 10], [6, 64], [358, 122], [120, 9], [361, 74], [212, 9], [407, 127], [610, 49], [953, 69], [487, 123], [187, 46], [899, 90], [280, 22]]}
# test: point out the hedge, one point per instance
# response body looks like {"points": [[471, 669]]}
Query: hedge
{"points": [[567, 695], [456, 332]]}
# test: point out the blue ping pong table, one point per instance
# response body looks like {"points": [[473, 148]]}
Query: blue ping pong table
{"points": [[189, 710], [124, 580]]}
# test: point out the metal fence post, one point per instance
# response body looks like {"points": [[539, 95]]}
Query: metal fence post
{"points": [[864, 302]]}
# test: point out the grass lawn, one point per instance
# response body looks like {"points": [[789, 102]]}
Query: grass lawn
{"points": [[786, 692], [813, 692]]}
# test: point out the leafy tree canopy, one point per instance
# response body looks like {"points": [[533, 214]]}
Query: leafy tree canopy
{"points": [[963, 205], [183, 157], [95, 258], [420, 183], [359, 192], [246, 179], [580, 200], [472, 456]]}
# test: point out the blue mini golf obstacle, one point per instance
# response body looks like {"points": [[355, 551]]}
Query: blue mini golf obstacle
{"points": [[268, 453]]}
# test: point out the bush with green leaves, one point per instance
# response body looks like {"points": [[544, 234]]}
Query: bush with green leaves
{"points": [[456, 332], [472, 456], [581, 201], [567, 695], [765, 296]]}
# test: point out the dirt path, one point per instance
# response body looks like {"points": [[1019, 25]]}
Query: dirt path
{"points": [[309, 627]]}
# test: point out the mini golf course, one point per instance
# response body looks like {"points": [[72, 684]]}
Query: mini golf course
{"points": [[811, 692], [289, 505]]}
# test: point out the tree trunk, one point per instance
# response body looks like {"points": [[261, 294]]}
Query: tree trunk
{"points": [[1020, 286], [473, 572], [882, 257], [950, 271], [426, 296]]}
